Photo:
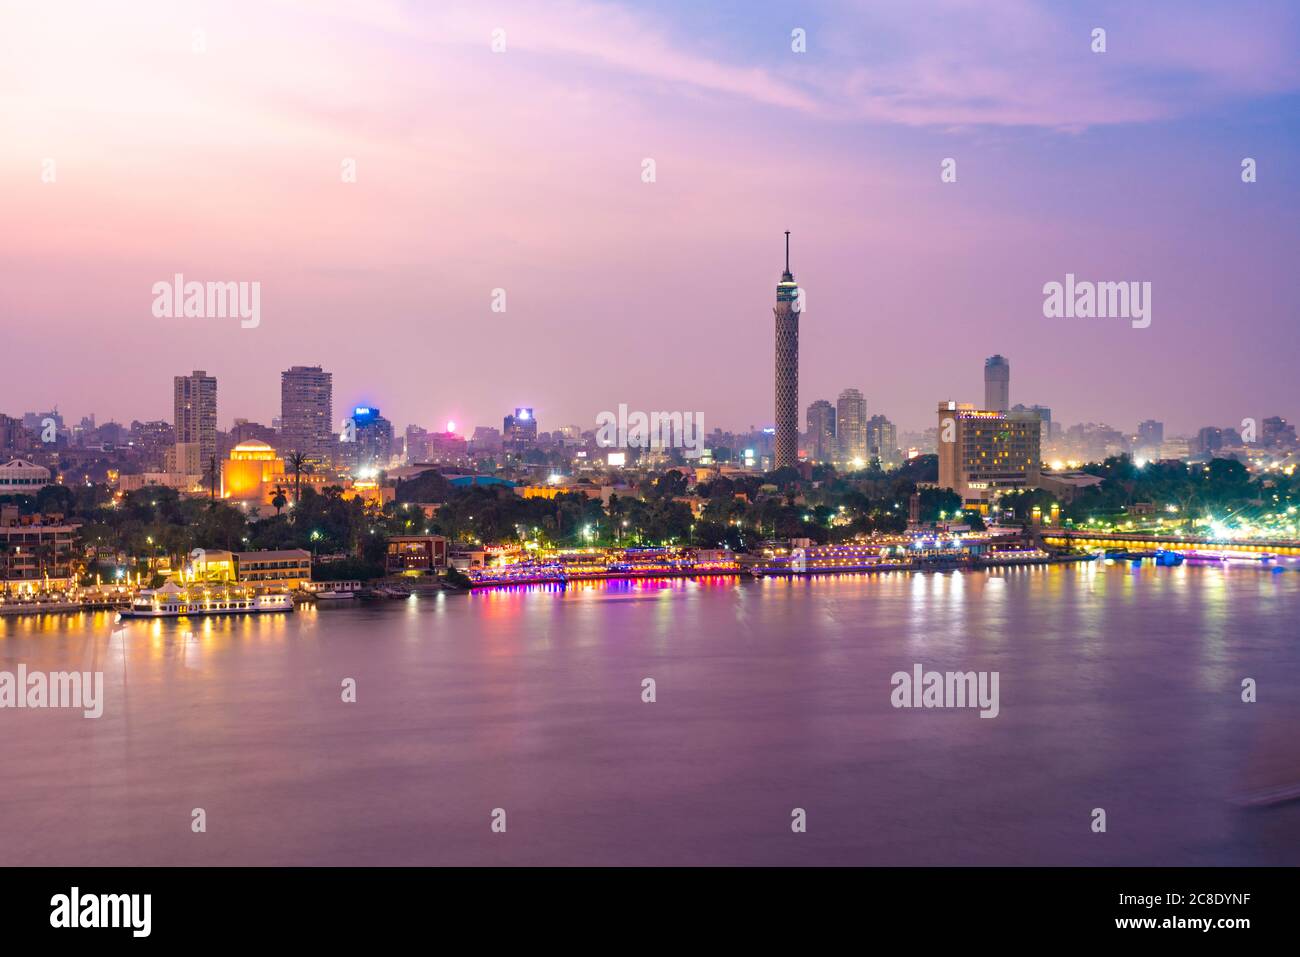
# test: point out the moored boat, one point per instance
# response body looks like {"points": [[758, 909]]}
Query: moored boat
{"points": [[172, 601]]}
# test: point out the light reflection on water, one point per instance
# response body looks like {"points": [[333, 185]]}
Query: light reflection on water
{"points": [[1119, 689]]}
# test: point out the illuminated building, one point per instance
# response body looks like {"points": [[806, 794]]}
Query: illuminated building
{"points": [[195, 404], [287, 568], [519, 431], [786, 312], [20, 477], [821, 431], [373, 441], [307, 411], [997, 384], [252, 473], [415, 553], [370, 491], [34, 555], [851, 428], [983, 452]]}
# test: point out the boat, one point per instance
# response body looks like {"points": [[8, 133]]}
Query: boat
{"points": [[334, 591], [172, 601]]}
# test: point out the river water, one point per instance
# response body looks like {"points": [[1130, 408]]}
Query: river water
{"points": [[1119, 689]]}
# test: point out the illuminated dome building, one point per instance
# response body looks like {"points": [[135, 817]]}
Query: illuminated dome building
{"points": [[253, 472]]}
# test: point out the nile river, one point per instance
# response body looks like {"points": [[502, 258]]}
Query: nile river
{"points": [[1120, 689]]}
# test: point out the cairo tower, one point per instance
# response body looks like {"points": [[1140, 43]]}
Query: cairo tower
{"points": [[788, 307]]}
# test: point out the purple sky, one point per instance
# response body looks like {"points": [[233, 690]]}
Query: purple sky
{"points": [[522, 170]]}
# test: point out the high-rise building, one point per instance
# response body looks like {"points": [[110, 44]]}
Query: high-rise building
{"points": [[195, 403], [851, 428], [983, 452], [519, 431], [1150, 437], [374, 439], [416, 445], [997, 384], [821, 431], [788, 307], [882, 441], [307, 412]]}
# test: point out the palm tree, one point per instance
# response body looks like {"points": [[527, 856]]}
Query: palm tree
{"points": [[278, 500], [211, 473], [298, 462]]}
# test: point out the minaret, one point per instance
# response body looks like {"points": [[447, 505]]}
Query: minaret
{"points": [[788, 307]]}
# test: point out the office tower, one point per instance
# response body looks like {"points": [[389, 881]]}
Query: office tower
{"points": [[519, 431], [195, 402], [1151, 432], [983, 452], [821, 431], [1276, 432], [1208, 440], [882, 441], [486, 440], [373, 445], [786, 312], [307, 412], [851, 428], [1151, 435], [997, 384]]}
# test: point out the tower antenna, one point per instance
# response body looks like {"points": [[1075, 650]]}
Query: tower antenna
{"points": [[787, 250]]}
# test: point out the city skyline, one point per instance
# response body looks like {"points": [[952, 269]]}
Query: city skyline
{"points": [[910, 280]]}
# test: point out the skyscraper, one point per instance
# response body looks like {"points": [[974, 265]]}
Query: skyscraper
{"points": [[851, 428], [997, 384], [519, 431], [821, 431], [307, 411], [195, 404], [787, 366], [882, 441]]}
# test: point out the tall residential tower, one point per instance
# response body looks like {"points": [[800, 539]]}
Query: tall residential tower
{"points": [[195, 404], [306, 410], [788, 307]]}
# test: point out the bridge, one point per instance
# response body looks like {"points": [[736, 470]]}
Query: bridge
{"points": [[1083, 538]]}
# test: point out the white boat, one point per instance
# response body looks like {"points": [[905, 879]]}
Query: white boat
{"points": [[333, 591], [172, 601]]}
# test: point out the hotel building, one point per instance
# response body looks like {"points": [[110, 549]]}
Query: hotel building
{"points": [[983, 452]]}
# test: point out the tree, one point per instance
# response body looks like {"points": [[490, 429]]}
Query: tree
{"points": [[297, 461], [211, 474], [278, 500]]}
